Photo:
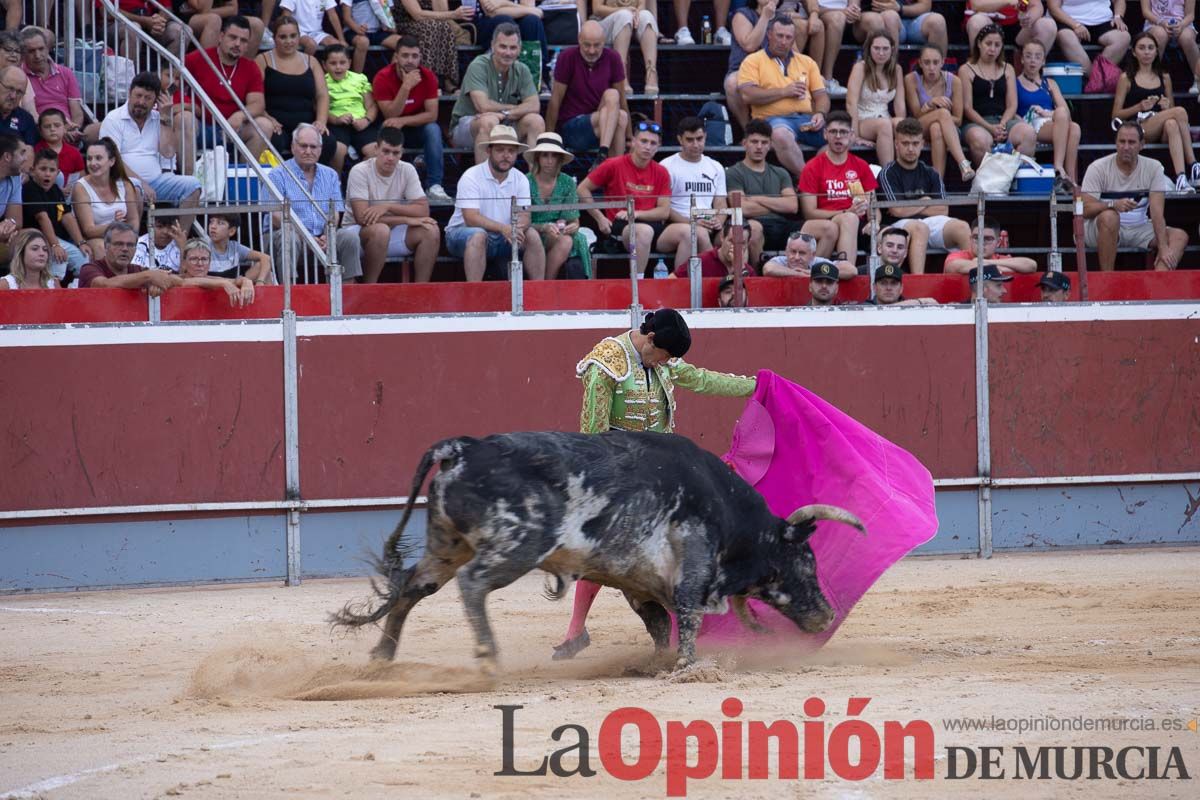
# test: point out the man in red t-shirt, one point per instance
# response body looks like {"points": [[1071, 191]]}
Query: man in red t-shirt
{"points": [[718, 262], [635, 174], [193, 123], [407, 94], [834, 190]]}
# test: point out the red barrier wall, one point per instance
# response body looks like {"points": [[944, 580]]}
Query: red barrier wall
{"points": [[370, 405], [137, 424], [1095, 398]]}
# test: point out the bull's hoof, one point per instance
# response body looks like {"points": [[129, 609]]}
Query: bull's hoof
{"points": [[384, 651], [572, 647], [488, 668]]}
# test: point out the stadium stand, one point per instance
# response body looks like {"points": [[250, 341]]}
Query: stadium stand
{"points": [[690, 77]]}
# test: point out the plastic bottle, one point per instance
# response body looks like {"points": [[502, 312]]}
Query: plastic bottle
{"points": [[706, 31], [660, 269]]}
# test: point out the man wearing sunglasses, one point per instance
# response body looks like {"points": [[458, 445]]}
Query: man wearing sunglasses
{"points": [[635, 174], [963, 261]]}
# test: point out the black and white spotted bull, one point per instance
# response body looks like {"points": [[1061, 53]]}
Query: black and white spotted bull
{"points": [[669, 524]]}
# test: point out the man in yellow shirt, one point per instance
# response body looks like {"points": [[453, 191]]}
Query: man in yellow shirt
{"points": [[786, 89]]}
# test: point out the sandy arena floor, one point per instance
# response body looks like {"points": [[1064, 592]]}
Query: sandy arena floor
{"points": [[190, 692]]}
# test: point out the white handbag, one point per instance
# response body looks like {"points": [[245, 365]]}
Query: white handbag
{"points": [[997, 171], [211, 169]]}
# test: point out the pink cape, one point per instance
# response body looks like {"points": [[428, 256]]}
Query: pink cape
{"points": [[796, 449]]}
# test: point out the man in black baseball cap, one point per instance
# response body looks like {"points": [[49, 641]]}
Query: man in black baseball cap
{"points": [[823, 284], [889, 288], [994, 289], [1056, 287]]}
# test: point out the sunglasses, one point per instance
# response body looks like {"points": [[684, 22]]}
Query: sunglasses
{"points": [[646, 125]]}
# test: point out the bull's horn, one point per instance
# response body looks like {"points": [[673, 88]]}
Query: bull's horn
{"points": [[738, 601], [821, 511]]}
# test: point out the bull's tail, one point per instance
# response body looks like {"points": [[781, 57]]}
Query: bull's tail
{"points": [[390, 564]]}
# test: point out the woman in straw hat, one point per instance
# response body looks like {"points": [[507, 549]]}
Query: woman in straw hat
{"points": [[548, 184]]}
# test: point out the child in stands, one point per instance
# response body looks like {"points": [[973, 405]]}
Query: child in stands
{"points": [[353, 113], [45, 208], [52, 125], [228, 256]]}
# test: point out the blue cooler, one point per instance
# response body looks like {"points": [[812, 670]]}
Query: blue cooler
{"points": [[1034, 180], [1067, 74], [243, 185]]}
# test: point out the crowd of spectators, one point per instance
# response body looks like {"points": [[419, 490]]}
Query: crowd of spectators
{"points": [[295, 75]]}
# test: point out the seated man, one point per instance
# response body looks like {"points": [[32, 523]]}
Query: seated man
{"points": [[587, 103], [14, 120], [695, 174], [193, 123], [823, 285], [1055, 287], [117, 270], [293, 178], [389, 211], [908, 178], [497, 89], [960, 262], [768, 197], [197, 255], [994, 289], [800, 259], [635, 174], [834, 191], [719, 262], [1123, 204], [144, 136], [892, 247], [481, 231], [407, 94], [889, 289], [792, 100], [54, 86]]}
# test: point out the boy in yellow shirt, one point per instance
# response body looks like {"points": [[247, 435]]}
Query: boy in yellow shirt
{"points": [[353, 112]]}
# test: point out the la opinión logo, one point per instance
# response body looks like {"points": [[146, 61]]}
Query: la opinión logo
{"points": [[696, 749]]}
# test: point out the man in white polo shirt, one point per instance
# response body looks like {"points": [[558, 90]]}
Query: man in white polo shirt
{"points": [[481, 229], [145, 139], [390, 211]]}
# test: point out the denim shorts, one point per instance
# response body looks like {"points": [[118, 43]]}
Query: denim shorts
{"points": [[172, 188], [458, 237], [910, 29], [578, 135], [793, 122]]}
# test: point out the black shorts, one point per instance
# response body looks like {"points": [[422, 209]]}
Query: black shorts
{"points": [[1095, 31], [775, 232], [356, 139], [618, 228]]}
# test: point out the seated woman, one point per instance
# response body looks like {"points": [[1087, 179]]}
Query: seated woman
{"points": [[30, 264], [620, 18], [193, 269], [1020, 22], [935, 96], [104, 195], [1144, 93], [1041, 104], [295, 91], [433, 23], [1089, 22], [873, 85], [1174, 22], [990, 98], [549, 184]]}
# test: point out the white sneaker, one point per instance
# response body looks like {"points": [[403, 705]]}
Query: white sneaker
{"points": [[834, 89], [268, 41], [1195, 87], [723, 36], [1195, 176], [1183, 185], [684, 36], [438, 197]]}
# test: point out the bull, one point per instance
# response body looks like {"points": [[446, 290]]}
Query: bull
{"points": [[650, 514]]}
